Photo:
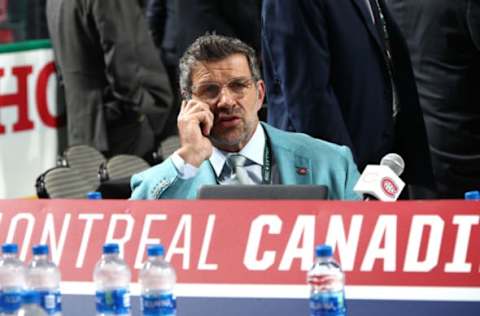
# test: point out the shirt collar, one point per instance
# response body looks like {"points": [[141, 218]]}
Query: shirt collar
{"points": [[253, 150]]}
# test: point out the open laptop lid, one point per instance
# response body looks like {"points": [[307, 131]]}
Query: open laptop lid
{"points": [[263, 192]]}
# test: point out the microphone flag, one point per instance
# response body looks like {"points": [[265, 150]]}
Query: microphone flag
{"points": [[380, 182]]}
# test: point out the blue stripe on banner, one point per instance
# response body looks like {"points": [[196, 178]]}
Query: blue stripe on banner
{"points": [[80, 305]]}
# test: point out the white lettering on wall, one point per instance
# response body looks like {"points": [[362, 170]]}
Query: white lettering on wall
{"points": [[49, 236], [30, 220], [202, 261], [87, 231], [145, 239], [465, 223], [300, 244], [184, 228], [129, 221], [419, 223], [386, 231], [273, 223], [346, 246]]}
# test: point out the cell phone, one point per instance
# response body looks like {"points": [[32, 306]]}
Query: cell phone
{"points": [[186, 99]]}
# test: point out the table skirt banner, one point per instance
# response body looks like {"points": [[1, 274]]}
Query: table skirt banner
{"points": [[393, 251]]}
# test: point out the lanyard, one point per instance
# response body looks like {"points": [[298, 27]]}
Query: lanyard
{"points": [[267, 163]]}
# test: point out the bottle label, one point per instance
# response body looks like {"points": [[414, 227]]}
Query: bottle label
{"points": [[159, 304], [114, 301], [328, 304], [10, 300], [51, 301]]}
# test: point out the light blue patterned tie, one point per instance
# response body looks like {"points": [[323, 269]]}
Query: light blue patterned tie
{"points": [[237, 163]]}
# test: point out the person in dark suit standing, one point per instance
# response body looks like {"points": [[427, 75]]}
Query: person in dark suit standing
{"points": [[36, 27], [236, 18], [161, 18], [340, 71], [117, 91], [175, 24], [444, 40]]}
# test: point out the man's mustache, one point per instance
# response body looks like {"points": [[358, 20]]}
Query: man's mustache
{"points": [[236, 111]]}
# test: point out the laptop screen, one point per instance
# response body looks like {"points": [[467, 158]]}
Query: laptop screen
{"points": [[264, 192]]}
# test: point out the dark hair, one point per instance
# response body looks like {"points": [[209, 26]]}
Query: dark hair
{"points": [[212, 47]]}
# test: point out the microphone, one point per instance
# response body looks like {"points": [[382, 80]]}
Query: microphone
{"points": [[382, 182], [394, 162]]}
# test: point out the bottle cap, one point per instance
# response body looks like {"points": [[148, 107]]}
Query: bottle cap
{"points": [[155, 250], [472, 195], [10, 248], [94, 195], [31, 297], [324, 251], [40, 250], [111, 248]]}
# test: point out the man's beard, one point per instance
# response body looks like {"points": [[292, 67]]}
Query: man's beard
{"points": [[230, 138]]}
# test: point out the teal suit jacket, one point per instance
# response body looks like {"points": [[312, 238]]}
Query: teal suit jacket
{"points": [[325, 164]]}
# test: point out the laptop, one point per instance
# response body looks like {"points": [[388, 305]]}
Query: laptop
{"points": [[263, 192]]}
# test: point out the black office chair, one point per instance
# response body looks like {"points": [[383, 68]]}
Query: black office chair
{"points": [[122, 166], [115, 175], [63, 183], [86, 160]]}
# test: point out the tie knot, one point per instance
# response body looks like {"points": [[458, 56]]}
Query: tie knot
{"points": [[236, 160], [235, 170]]}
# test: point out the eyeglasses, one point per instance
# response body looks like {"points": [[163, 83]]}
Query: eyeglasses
{"points": [[210, 91]]}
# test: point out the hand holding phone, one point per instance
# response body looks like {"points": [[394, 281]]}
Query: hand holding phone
{"points": [[195, 122]]}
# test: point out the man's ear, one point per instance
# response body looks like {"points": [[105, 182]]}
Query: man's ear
{"points": [[260, 93]]}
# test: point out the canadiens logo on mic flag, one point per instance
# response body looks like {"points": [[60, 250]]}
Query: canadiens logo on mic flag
{"points": [[389, 187], [380, 182]]}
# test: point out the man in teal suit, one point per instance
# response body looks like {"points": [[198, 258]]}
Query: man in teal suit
{"points": [[220, 82]]}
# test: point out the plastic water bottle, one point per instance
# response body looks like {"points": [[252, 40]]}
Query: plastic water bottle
{"points": [[112, 280], [94, 195], [472, 195], [43, 277], [31, 305], [327, 282], [157, 280], [12, 280]]}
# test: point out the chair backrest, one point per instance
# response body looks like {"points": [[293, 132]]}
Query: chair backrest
{"points": [[63, 183], [122, 167], [168, 146], [86, 160]]}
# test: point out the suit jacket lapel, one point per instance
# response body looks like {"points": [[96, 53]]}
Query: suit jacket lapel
{"points": [[367, 19], [293, 167]]}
